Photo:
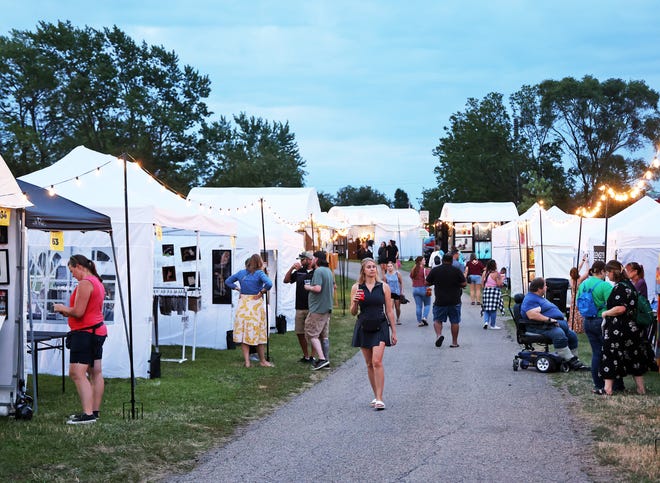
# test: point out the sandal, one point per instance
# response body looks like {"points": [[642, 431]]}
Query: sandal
{"points": [[379, 405], [598, 392], [373, 403]]}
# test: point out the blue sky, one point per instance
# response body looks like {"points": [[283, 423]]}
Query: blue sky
{"points": [[368, 86]]}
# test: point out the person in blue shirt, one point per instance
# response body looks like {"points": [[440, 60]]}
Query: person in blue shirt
{"points": [[544, 317], [250, 319]]}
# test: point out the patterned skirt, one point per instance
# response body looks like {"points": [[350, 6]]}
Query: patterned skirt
{"points": [[250, 321]]}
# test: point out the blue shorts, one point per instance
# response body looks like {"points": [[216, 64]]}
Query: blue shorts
{"points": [[440, 313]]}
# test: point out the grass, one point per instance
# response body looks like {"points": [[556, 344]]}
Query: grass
{"points": [[193, 407], [197, 405]]}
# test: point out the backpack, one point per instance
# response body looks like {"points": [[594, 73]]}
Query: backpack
{"points": [[585, 302], [645, 316]]}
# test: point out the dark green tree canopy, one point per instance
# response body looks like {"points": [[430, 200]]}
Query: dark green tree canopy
{"points": [[364, 195], [401, 199]]}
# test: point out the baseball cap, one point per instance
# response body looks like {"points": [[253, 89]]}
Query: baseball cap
{"points": [[305, 255]]}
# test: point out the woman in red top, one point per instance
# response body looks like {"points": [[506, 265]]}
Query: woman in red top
{"points": [[473, 271], [421, 293], [88, 333]]}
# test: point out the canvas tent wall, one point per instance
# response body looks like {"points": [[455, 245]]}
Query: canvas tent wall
{"points": [[271, 213], [96, 180], [12, 205]]}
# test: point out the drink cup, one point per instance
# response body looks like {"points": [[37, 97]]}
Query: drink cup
{"points": [[360, 294], [308, 282]]}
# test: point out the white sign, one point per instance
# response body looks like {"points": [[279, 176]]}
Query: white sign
{"points": [[424, 215]]}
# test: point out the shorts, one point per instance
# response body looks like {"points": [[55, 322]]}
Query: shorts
{"points": [[395, 296], [440, 313], [301, 315], [474, 279], [86, 348], [316, 325]]}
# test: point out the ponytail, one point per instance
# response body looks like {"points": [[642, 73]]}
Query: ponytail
{"points": [[83, 261]]}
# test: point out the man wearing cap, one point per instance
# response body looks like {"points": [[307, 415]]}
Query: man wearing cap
{"points": [[301, 273], [321, 297]]}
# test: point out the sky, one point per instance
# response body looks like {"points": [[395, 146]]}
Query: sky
{"points": [[367, 86]]}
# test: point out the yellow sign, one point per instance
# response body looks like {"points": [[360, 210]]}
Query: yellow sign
{"points": [[4, 216], [57, 241], [159, 232]]}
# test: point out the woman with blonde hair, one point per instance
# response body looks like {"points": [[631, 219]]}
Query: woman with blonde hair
{"points": [[372, 298], [250, 319]]}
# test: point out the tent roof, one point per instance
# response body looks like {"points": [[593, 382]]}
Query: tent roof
{"points": [[11, 195], [360, 215], [638, 209], [58, 213], [479, 212], [97, 180], [293, 205]]}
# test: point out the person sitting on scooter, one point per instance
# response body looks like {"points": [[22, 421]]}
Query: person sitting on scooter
{"points": [[545, 318]]}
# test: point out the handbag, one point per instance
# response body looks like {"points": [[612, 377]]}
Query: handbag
{"points": [[429, 291], [370, 325], [403, 299]]}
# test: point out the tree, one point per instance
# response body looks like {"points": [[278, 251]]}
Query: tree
{"points": [[478, 159], [401, 199], [63, 86], [364, 195], [600, 127], [253, 153], [326, 200]]}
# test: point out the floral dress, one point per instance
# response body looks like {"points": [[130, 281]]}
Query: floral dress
{"points": [[623, 349]]}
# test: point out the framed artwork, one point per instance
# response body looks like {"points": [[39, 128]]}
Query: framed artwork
{"points": [[463, 244], [4, 235], [4, 267], [189, 279], [482, 231], [168, 250], [188, 254], [4, 300], [531, 262], [483, 250], [221, 261], [462, 229], [169, 274]]}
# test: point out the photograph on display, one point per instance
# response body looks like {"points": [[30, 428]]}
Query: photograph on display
{"points": [[4, 235], [3, 303], [168, 250], [463, 244], [483, 250], [482, 231], [462, 229], [531, 263], [189, 279], [221, 260], [169, 274], [4, 267], [188, 254]]}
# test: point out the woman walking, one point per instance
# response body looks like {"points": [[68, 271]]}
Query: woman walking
{"points": [[250, 319], [623, 350], [473, 272], [393, 279], [421, 293], [492, 295], [372, 329]]}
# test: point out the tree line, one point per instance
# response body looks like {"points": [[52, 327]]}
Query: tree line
{"points": [[62, 86]]}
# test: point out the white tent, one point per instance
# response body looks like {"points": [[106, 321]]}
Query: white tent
{"points": [[11, 200], [96, 180], [634, 235], [273, 213], [478, 212], [382, 223]]}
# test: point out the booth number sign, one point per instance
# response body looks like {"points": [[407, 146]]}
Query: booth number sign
{"points": [[57, 241]]}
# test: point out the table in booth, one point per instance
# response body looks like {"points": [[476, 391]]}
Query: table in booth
{"points": [[45, 340]]}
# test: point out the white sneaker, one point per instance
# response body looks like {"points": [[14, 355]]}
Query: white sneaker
{"points": [[496, 327]]}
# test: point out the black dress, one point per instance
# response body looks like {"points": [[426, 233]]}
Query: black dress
{"points": [[371, 308], [623, 348]]}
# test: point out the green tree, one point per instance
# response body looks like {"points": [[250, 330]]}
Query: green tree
{"points": [[252, 153], [63, 86], [326, 200], [364, 195], [601, 125], [401, 199], [478, 159]]}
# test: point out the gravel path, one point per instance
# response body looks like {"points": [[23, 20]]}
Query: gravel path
{"points": [[453, 414]]}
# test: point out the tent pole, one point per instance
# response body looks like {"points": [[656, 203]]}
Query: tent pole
{"points": [[522, 273], [197, 291], [311, 221], [263, 237], [128, 269], [541, 236]]}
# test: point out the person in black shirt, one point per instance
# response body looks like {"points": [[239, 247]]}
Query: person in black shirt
{"points": [[448, 282], [301, 273]]}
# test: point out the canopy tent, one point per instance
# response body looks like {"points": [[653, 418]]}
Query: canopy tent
{"points": [[382, 223], [478, 212], [97, 180], [543, 243], [634, 234], [266, 218], [12, 205]]}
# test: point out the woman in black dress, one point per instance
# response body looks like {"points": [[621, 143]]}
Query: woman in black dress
{"points": [[372, 329], [623, 350]]}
